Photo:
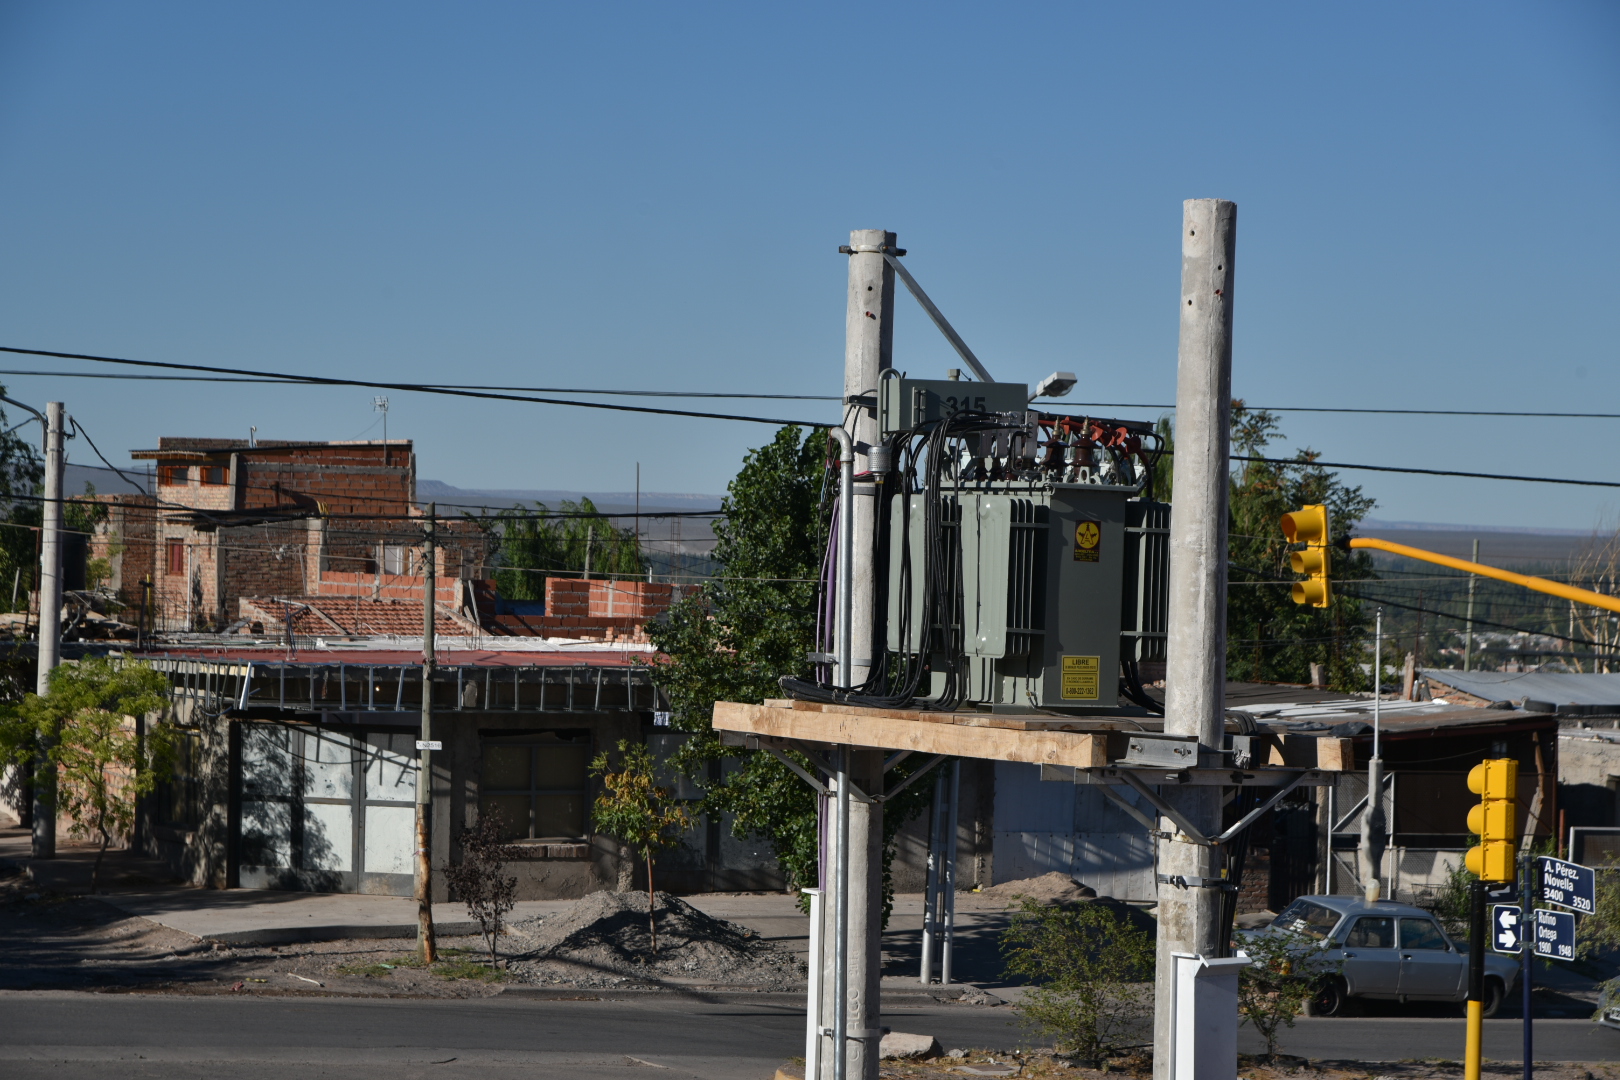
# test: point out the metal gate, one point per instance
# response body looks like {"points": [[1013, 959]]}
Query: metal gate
{"points": [[325, 810]]}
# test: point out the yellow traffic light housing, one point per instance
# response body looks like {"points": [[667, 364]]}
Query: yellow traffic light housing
{"points": [[1309, 526], [1496, 782]]}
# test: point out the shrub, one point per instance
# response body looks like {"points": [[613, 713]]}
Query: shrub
{"points": [[480, 881], [1286, 970], [1092, 970]]}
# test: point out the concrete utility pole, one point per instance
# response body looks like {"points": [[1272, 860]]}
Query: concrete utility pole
{"points": [[868, 351], [426, 945], [1468, 632], [1195, 677], [50, 619]]}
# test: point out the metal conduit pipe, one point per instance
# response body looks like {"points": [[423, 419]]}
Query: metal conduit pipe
{"points": [[845, 605]]}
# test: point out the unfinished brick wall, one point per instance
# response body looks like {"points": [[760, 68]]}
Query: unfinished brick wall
{"points": [[125, 540]]}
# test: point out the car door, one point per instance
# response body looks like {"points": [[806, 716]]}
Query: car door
{"points": [[1372, 967], [1430, 967]]}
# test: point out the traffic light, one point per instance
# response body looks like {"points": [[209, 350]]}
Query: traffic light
{"points": [[1309, 526], [1496, 782]]}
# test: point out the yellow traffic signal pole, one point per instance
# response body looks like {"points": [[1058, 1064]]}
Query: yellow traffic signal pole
{"points": [[1551, 588], [1496, 782]]}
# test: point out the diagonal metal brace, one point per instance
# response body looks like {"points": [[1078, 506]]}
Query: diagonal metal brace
{"points": [[939, 319], [804, 774], [1132, 809], [895, 758], [1253, 815], [1165, 808], [908, 781]]}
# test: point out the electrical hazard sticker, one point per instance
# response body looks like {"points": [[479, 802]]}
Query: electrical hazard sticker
{"points": [[1087, 544], [1080, 677]]}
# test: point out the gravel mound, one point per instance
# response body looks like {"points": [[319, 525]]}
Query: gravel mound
{"points": [[1053, 888], [603, 941]]}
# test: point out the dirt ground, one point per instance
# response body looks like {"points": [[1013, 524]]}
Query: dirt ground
{"points": [[1043, 1065]]}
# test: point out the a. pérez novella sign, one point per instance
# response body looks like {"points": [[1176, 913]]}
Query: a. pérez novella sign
{"points": [[1568, 884]]}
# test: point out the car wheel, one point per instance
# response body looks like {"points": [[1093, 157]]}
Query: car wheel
{"points": [[1495, 994], [1332, 998]]}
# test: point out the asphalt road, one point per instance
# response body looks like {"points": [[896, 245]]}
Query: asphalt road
{"points": [[67, 1036]]}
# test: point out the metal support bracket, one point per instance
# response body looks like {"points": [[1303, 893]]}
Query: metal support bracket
{"points": [[1192, 881], [1133, 810], [1254, 815], [939, 319], [804, 774], [1166, 809], [913, 778]]}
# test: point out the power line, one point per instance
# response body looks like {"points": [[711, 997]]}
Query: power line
{"points": [[443, 386], [1420, 472], [418, 388], [1375, 412]]}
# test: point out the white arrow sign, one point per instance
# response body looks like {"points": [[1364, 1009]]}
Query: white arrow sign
{"points": [[1507, 933]]}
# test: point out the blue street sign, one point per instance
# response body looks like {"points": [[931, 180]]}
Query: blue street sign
{"points": [[1568, 884], [1507, 931], [1554, 934]]}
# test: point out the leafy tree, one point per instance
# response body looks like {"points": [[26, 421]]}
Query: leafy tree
{"points": [[640, 813], [1269, 637], [480, 880], [1092, 970], [1286, 970], [527, 543], [86, 730]]}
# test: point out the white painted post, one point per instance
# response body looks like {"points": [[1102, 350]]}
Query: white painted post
{"points": [[1195, 678], [814, 960]]}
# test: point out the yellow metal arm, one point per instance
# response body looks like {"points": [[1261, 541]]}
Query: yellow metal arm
{"points": [[1552, 588]]}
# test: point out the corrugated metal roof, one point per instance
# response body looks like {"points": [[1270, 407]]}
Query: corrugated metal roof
{"points": [[1557, 687]]}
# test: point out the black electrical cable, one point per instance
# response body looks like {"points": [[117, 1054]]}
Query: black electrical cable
{"points": [[1375, 412], [417, 388], [1296, 463]]}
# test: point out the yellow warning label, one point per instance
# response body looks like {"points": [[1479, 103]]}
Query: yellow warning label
{"points": [[1087, 542], [1080, 678]]}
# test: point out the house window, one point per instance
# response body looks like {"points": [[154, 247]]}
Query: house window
{"points": [[177, 557], [213, 475], [537, 784], [179, 798], [394, 561], [173, 475]]}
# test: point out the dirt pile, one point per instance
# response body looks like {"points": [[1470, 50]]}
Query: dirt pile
{"points": [[603, 941], [1053, 888]]}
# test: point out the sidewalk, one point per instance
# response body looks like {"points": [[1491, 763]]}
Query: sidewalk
{"points": [[262, 917]]}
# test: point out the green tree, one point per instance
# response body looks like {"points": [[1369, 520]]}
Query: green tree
{"points": [[86, 730], [735, 638], [528, 544], [1269, 637], [642, 815], [1092, 971]]}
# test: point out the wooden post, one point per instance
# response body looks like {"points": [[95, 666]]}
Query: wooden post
{"points": [[1195, 677], [427, 946]]}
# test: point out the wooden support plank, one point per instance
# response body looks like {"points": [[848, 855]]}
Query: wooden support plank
{"points": [[1304, 752], [1336, 755], [1077, 749]]}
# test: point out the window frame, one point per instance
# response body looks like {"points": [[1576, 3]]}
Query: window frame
{"points": [[175, 567], [1353, 927], [206, 474], [535, 742]]}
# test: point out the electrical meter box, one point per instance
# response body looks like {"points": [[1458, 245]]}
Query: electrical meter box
{"points": [[1061, 582], [903, 404]]}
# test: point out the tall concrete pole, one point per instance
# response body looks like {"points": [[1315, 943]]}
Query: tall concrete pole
{"points": [[50, 620], [868, 351], [426, 944], [1195, 677]]}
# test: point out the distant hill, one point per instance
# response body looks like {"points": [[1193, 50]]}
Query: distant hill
{"points": [[1497, 543]]}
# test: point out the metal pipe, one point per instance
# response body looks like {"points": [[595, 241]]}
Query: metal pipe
{"points": [[841, 917], [931, 888], [846, 556], [1372, 822], [1542, 585], [948, 882], [812, 1026], [50, 623]]}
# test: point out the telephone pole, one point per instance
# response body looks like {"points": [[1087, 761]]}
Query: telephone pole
{"points": [[426, 946], [50, 622], [1195, 679]]}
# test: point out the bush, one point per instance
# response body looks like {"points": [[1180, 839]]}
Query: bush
{"points": [[1093, 971], [1286, 970], [480, 881]]}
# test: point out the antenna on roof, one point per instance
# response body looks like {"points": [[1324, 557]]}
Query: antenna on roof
{"points": [[253, 437], [380, 404]]}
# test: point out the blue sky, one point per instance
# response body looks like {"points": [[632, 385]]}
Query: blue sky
{"points": [[652, 195]]}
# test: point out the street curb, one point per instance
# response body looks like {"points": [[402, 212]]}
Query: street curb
{"points": [[792, 999], [298, 935]]}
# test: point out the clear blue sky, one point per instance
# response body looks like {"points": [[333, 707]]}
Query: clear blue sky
{"points": [[651, 195]]}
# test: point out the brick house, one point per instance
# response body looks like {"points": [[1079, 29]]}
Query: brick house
{"points": [[236, 520]]}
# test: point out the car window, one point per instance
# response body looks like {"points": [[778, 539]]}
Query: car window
{"points": [[1421, 934], [1371, 932], [1304, 917]]}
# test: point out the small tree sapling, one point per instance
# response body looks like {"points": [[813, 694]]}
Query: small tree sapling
{"points": [[641, 814]]}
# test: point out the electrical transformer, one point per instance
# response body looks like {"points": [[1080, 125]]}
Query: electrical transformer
{"points": [[1020, 565]]}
